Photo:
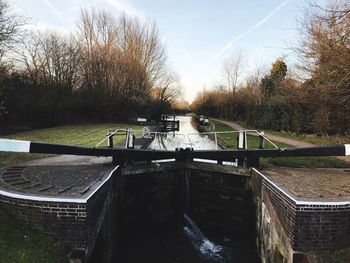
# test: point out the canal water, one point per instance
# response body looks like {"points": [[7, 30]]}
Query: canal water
{"points": [[162, 243], [186, 137]]}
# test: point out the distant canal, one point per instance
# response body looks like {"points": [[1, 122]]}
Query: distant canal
{"points": [[186, 137], [163, 243]]}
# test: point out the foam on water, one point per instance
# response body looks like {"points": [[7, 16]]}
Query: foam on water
{"points": [[207, 248]]}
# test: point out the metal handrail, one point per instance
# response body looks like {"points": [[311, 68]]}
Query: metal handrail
{"points": [[141, 131], [251, 132], [109, 135], [243, 130]]}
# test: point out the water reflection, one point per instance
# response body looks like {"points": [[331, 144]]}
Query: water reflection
{"points": [[186, 137], [168, 141]]}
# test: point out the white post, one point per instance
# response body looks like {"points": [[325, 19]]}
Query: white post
{"points": [[129, 144], [242, 140]]}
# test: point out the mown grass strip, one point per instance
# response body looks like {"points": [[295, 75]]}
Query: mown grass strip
{"points": [[295, 162], [19, 244], [313, 138], [82, 135], [230, 139], [310, 138]]}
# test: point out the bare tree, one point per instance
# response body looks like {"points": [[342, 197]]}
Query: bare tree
{"points": [[325, 52], [232, 69], [141, 40], [97, 39], [168, 88], [10, 31], [123, 59], [50, 64], [10, 28], [52, 59]]}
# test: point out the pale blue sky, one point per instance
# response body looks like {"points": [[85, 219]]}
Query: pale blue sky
{"points": [[198, 34]]}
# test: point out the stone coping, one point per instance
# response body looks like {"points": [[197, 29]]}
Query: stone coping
{"points": [[69, 184], [295, 189]]}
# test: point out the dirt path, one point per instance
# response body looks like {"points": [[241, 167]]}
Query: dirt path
{"points": [[280, 139]]}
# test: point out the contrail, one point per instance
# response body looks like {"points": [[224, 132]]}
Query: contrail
{"points": [[257, 25], [54, 10], [124, 6]]}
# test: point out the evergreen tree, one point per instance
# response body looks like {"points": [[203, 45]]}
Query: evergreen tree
{"points": [[270, 83]]}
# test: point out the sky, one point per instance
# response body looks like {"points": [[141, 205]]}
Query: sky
{"points": [[199, 35]]}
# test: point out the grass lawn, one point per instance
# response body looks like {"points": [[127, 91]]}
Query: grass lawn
{"points": [[310, 138], [85, 135], [19, 244], [295, 162], [230, 139]]}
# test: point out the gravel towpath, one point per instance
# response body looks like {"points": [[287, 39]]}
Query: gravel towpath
{"points": [[292, 142]]}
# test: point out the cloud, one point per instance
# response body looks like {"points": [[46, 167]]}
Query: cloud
{"points": [[38, 26], [54, 10], [257, 25], [124, 6]]}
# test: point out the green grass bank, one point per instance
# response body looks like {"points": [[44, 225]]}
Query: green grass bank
{"points": [[310, 138], [83, 135], [295, 162], [19, 244]]}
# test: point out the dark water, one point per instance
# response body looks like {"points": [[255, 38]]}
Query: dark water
{"points": [[159, 243], [146, 241]]}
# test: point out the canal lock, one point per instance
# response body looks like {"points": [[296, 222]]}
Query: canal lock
{"points": [[154, 205], [179, 211]]}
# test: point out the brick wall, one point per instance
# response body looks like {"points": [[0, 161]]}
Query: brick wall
{"points": [[322, 226], [98, 207], [309, 226], [64, 221], [284, 207], [78, 224]]}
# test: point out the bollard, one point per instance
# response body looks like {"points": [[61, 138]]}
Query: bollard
{"points": [[129, 142], [241, 145], [242, 140], [110, 138], [261, 141]]}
